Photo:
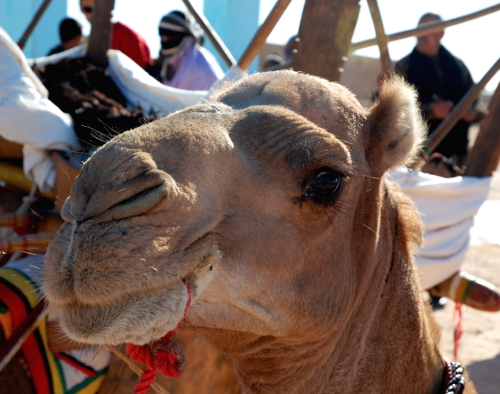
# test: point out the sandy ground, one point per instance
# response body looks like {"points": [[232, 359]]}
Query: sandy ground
{"points": [[480, 347]]}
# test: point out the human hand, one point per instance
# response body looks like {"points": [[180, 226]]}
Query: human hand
{"points": [[439, 109], [469, 115]]}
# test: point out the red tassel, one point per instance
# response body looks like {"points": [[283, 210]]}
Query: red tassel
{"points": [[458, 328], [169, 358], [165, 356]]}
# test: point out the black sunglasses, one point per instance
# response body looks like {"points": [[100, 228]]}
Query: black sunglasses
{"points": [[87, 9]]}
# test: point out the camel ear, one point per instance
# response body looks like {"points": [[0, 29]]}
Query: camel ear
{"points": [[395, 126]]}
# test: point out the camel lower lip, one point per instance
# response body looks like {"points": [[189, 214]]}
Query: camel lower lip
{"points": [[135, 319]]}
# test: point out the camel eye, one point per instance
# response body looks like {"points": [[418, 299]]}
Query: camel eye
{"points": [[324, 185]]}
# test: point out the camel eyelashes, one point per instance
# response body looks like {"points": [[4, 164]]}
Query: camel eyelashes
{"points": [[324, 185]]}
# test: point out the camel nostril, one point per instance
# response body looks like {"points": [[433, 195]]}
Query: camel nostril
{"points": [[140, 202], [138, 196]]}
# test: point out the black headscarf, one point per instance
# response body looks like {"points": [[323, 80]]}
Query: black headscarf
{"points": [[177, 26]]}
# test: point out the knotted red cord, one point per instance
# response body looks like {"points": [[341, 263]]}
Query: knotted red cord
{"points": [[165, 356], [458, 327]]}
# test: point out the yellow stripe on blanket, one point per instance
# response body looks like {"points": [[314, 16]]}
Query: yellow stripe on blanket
{"points": [[30, 291]]}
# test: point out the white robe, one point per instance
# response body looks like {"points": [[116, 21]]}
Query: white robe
{"points": [[197, 68]]}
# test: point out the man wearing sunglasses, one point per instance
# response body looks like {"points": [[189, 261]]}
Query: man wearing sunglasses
{"points": [[123, 38]]}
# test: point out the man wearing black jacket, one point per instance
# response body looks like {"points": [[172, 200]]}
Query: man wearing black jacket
{"points": [[441, 81]]}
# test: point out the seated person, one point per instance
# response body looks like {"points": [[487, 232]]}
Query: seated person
{"points": [[272, 60], [183, 62], [123, 38], [70, 32]]}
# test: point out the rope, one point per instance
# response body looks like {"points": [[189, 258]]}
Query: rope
{"points": [[454, 380], [27, 201], [458, 327], [165, 355]]}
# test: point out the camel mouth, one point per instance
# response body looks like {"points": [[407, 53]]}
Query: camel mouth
{"points": [[136, 318]]}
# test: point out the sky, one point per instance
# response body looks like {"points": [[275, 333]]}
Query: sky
{"points": [[475, 42]]}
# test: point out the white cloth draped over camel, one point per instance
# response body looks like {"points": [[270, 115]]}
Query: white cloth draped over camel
{"points": [[139, 88], [28, 117], [447, 207]]}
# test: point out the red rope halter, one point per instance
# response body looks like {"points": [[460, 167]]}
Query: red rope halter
{"points": [[165, 355]]}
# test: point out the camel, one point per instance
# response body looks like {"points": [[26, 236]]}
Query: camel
{"points": [[270, 201]]}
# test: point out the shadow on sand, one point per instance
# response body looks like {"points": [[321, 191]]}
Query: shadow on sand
{"points": [[485, 375]]}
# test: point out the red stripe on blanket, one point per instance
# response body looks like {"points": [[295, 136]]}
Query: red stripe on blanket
{"points": [[76, 364], [31, 348]]}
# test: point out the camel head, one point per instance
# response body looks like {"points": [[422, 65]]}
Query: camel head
{"points": [[268, 199]]}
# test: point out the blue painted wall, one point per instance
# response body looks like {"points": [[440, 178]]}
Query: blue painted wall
{"points": [[15, 16], [236, 22]]}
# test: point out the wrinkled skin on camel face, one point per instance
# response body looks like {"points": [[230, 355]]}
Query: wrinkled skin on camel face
{"points": [[252, 197]]}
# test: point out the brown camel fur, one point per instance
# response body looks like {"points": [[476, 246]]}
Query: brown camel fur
{"points": [[271, 200]]}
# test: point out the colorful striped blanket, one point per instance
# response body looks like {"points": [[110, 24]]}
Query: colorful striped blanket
{"points": [[71, 372]]}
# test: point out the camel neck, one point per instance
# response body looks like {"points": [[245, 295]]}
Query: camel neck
{"points": [[384, 358], [279, 365], [399, 340], [402, 344]]}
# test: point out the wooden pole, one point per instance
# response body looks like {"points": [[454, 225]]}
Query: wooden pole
{"points": [[116, 369], [325, 34], [101, 33], [485, 154], [18, 220], [22, 332], [426, 28], [385, 59], [30, 242], [260, 37], [212, 35], [22, 41]]}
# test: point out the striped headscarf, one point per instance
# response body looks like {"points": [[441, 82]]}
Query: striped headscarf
{"points": [[177, 26]]}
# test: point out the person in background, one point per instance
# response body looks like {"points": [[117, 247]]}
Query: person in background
{"points": [[272, 60], [183, 62], [70, 32], [123, 38], [291, 47], [441, 81]]}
